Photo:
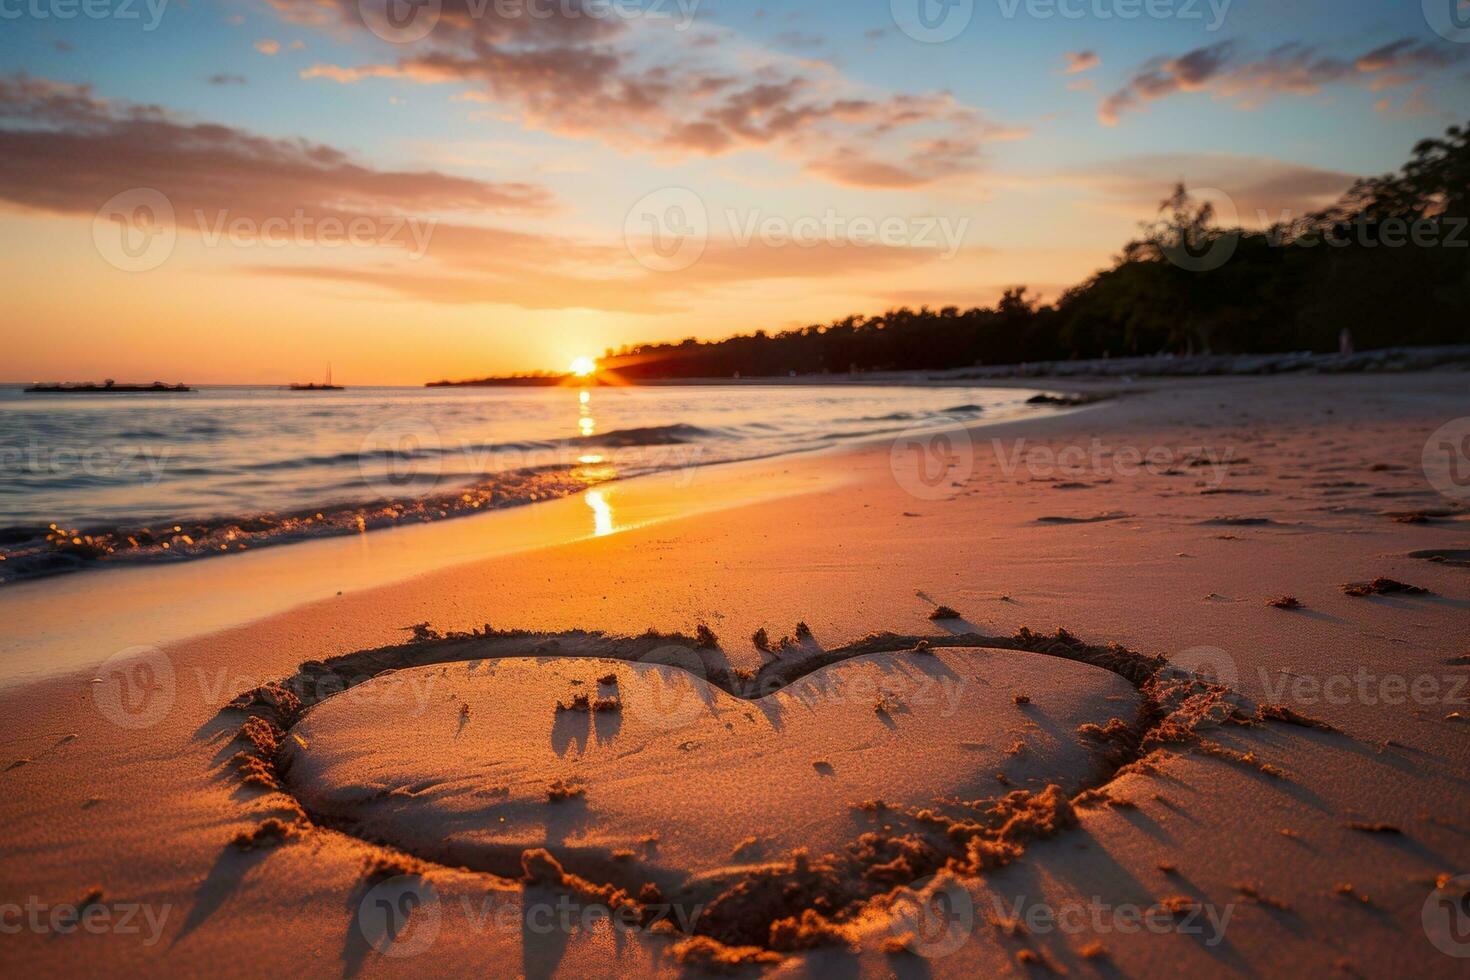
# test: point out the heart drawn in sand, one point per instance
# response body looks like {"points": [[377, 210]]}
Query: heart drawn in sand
{"points": [[471, 764]]}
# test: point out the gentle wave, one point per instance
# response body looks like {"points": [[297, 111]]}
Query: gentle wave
{"points": [[656, 435], [652, 435], [34, 552]]}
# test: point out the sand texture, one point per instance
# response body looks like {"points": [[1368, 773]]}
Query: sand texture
{"points": [[1281, 786]]}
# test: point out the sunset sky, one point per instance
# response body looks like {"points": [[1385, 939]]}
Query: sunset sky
{"points": [[491, 169]]}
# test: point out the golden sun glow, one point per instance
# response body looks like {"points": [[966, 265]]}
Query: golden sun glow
{"points": [[583, 366]]}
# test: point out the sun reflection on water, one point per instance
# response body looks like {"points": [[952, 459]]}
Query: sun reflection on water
{"points": [[602, 519], [586, 424]]}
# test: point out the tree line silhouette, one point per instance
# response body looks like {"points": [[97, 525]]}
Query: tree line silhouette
{"points": [[1389, 262]]}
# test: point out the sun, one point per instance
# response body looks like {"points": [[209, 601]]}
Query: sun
{"points": [[583, 366]]}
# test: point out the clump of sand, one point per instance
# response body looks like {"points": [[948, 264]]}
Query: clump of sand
{"points": [[1382, 586]]}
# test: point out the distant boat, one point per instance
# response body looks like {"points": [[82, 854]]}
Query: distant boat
{"points": [[108, 387], [313, 386]]}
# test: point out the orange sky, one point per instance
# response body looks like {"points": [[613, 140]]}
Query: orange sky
{"points": [[245, 192]]}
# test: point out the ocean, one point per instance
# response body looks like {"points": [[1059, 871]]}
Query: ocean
{"points": [[122, 478]]}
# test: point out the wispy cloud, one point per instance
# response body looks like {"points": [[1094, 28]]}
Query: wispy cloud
{"points": [[77, 149], [1262, 189], [1080, 61], [1227, 72], [639, 85]]}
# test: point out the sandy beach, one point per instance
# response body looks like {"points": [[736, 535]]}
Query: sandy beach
{"points": [[1040, 716]]}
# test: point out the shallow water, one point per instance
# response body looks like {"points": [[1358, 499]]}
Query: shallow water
{"points": [[159, 476]]}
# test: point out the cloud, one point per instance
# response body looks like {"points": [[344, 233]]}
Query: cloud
{"points": [[1412, 106], [1080, 61], [1293, 68], [1406, 53], [64, 150], [268, 47], [533, 291], [853, 168], [533, 272], [75, 150], [1187, 73], [645, 86], [1259, 187]]}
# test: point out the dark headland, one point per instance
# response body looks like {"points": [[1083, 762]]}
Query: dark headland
{"points": [[108, 387]]}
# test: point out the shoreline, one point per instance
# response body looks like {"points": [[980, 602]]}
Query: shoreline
{"points": [[59, 550]]}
